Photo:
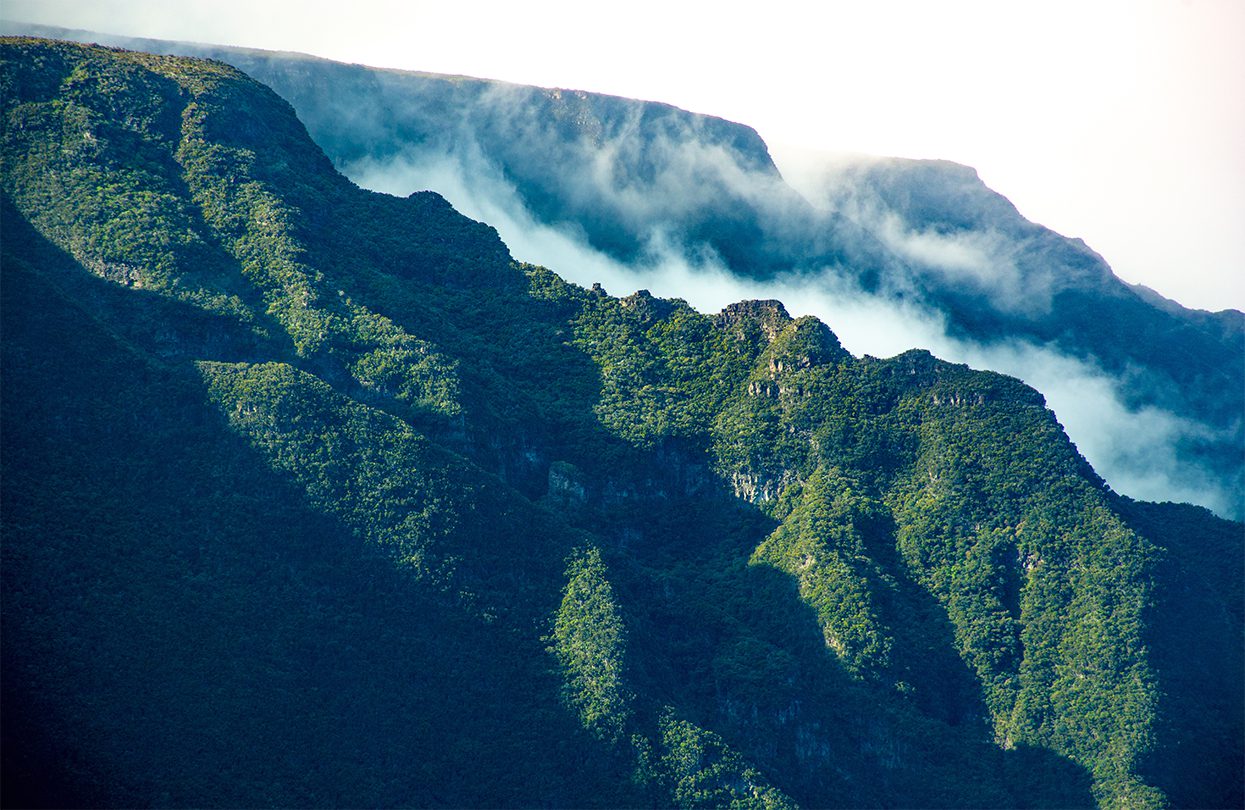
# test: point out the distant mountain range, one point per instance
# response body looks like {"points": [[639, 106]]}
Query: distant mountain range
{"points": [[641, 182], [314, 496]]}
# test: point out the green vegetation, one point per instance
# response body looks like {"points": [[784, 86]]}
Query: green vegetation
{"points": [[322, 476], [590, 644], [702, 771]]}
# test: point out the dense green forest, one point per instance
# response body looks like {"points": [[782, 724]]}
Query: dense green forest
{"points": [[313, 496]]}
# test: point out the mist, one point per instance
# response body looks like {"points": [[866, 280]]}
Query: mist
{"points": [[1137, 451]]}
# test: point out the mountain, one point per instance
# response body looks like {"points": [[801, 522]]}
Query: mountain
{"points": [[1152, 392], [314, 496]]}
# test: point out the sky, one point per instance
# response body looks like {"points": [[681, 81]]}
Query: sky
{"points": [[1121, 122]]}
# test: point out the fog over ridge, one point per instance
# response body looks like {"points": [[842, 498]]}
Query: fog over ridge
{"points": [[892, 254], [1138, 451]]}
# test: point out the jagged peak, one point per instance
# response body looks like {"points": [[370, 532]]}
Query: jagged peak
{"points": [[769, 315], [647, 307]]}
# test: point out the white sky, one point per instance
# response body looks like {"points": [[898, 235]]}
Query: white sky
{"points": [[1118, 121]]}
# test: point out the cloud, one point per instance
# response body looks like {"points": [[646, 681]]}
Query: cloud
{"points": [[982, 259], [947, 228]]}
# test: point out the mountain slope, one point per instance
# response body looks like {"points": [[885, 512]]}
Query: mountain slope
{"points": [[313, 496]]}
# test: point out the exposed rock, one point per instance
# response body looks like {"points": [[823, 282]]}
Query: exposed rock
{"points": [[566, 485], [769, 316], [647, 308], [958, 398]]}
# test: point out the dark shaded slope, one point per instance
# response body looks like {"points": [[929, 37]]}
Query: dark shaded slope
{"points": [[183, 626], [1198, 606], [416, 525]]}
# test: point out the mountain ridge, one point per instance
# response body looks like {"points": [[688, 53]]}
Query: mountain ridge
{"points": [[997, 290]]}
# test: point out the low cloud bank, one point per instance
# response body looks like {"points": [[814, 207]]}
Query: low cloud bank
{"points": [[1137, 451]]}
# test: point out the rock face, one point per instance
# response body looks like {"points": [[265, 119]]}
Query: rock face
{"points": [[566, 487], [645, 307], [343, 486], [767, 316]]}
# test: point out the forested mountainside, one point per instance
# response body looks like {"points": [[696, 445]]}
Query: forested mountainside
{"points": [[642, 182], [314, 496]]}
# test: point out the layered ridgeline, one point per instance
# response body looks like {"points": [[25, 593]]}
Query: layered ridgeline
{"points": [[313, 496], [1151, 392]]}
